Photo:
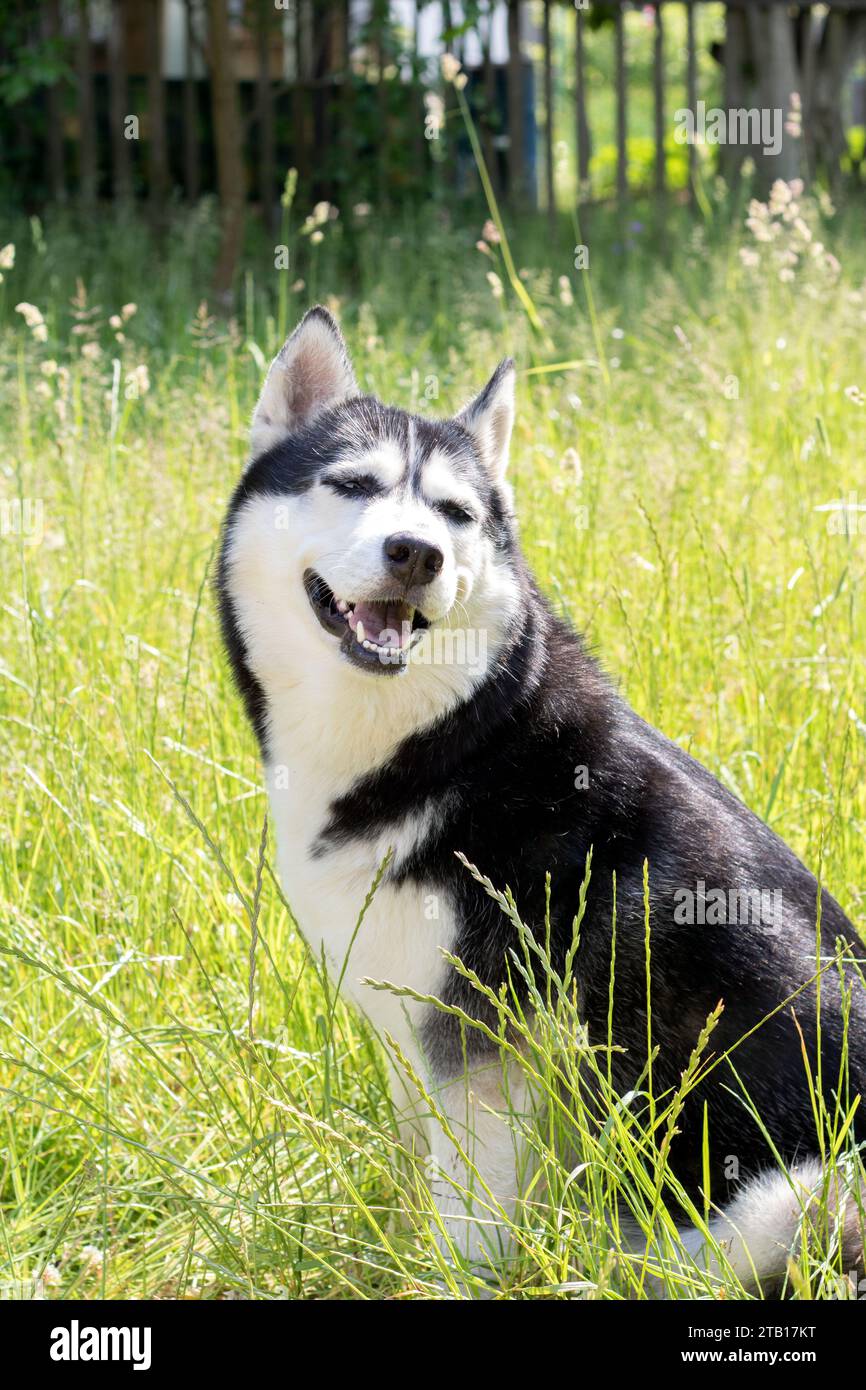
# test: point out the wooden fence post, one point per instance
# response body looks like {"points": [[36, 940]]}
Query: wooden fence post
{"points": [[621, 110], [86, 109], [157, 169], [548, 119], [488, 78], [379, 16], [516, 146], [228, 141], [118, 100], [691, 91], [299, 106], [56, 171], [583, 143], [659, 99], [267, 150], [190, 110]]}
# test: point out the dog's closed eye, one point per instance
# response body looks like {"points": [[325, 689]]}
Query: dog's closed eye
{"points": [[456, 512], [355, 485]]}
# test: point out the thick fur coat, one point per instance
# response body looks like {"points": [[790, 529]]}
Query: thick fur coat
{"points": [[414, 695]]}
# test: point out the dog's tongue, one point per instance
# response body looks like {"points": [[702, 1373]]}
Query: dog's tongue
{"points": [[389, 623]]}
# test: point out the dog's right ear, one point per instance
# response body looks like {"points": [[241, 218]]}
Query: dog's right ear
{"points": [[490, 417], [309, 374]]}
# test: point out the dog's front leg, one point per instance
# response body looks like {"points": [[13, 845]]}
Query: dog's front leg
{"points": [[478, 1156]]}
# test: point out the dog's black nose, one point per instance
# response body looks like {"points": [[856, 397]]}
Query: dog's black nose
{"points": [[411, 560]]}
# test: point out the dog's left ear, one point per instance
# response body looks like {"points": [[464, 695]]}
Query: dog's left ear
{"points": [[309, 374], [489, 418]]}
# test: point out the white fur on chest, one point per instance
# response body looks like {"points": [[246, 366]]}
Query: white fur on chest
{"points": [[406, 925]]}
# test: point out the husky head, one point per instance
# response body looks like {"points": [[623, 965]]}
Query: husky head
{"points": [[364, 544]]}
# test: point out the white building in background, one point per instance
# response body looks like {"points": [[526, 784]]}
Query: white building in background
{"points": [[432, 23], [430, 29]]}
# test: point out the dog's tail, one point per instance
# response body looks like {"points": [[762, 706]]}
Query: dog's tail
{"points": [[767, 1223]]}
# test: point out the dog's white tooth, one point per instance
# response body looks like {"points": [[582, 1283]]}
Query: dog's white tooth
{"points": [[342, 606], [359, 632]]}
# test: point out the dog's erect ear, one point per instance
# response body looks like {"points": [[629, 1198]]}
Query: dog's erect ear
{"points": [[310, 373], [489, 418]]}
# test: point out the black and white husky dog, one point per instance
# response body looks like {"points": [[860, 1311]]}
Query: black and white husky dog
{"points": [[413, 693]]}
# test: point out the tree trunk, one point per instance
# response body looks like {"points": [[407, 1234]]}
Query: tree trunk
{"points": [[774, 61], [267, 157], [56, 173], [86, 111], [229, 157], [808, 52], [735, 91], [838, 49], [190, 109], [812, 58], [516, 143], [783, 80], [156, 145], [119, 102]]}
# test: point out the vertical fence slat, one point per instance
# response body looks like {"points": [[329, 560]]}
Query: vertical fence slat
{"points": [[548, 117], [485, 38], [190, 109], [418, 108], [346, 104], [691, 90], [267, 148], [516, 149], [299, 111], [86, 108], [582, 129], [659, 99], [621, 110], [118, 98], [56, 169], [156, 144], [380, 17]]}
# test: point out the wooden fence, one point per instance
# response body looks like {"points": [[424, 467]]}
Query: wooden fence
{"points": [[355, 118]]}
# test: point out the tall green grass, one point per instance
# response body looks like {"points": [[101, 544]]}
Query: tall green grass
{"points": [[187, 1109]]}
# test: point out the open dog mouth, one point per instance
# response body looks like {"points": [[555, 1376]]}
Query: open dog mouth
{"points": [[375, 634]]}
